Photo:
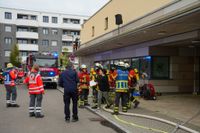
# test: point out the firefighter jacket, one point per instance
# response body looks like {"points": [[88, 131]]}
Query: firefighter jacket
{"points": [[132, 80], [35, 84], [122, 81], [112, 78], [84, 79], [10, 76], [20, 74]]}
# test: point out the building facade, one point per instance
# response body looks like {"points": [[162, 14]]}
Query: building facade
{"points": [[161, 38], [35, 31]]}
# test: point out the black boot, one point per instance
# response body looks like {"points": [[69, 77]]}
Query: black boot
{"points": [[15, 105], [136, 104], [31, 114], [39, 115], [8, 105]]}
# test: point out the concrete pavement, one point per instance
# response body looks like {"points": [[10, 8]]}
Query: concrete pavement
{"points": [[16, 120]]}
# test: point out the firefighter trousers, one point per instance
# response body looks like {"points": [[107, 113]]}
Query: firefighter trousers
{"points": [[123, 97], [84, 97], [35, 105], [11, 91]]}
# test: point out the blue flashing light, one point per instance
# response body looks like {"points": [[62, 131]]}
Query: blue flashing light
{"points": [[148, 57], [55, 55], [51, 73]]}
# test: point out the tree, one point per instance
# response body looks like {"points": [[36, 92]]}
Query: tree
{"points": [[14, 56], [64, 59]]}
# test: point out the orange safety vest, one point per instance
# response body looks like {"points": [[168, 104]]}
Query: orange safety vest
{"points": [[35, 84]]}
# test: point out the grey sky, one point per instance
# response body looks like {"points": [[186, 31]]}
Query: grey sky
{"points": [[79, 7]]}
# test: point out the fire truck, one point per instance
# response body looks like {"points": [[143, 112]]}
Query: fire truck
{"points": [[48, 67]]}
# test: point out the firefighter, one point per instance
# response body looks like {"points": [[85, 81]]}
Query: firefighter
{"points": [[10, 85], [135, 85], [112, 78], [36, 91], [121, 91], [84, 86]]}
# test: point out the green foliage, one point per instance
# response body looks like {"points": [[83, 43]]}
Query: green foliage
{"points": [[63, 60], [14, 56]]}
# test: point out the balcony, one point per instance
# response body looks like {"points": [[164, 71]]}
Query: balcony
{"points": [[28, 47], [27, 22], [27, 35], [67, 49], [69, 37]]}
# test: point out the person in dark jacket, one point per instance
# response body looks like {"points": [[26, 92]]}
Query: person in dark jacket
{"points": [[103, 84], [69, 80]]}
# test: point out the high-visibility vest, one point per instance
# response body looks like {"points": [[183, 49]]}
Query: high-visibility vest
{"points": [[35, 84], [10, 76], [122, 81]]}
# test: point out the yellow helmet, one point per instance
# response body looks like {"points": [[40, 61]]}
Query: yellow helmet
{"points": [[9, 65], [136, 70]]}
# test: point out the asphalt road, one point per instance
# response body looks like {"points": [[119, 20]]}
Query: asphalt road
{"points": [[17, 120]]}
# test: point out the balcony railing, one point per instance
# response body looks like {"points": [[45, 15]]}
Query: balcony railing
{"points": [[27, 34], [28, 47], [27, 22]]}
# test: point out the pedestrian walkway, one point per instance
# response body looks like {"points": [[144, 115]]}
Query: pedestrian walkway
{"points": [[173, 108]]}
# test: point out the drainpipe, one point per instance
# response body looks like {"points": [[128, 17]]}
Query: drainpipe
{"points": [[194, 88]]}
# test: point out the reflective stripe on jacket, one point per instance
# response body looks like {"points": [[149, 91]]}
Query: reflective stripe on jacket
{"points": [[122, 81], [35, 84], [10, 76]]}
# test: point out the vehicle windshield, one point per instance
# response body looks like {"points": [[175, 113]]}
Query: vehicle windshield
{"points": [[46, 62]]}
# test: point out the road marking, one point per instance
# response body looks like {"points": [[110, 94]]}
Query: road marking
{"points": [[139, 126]]}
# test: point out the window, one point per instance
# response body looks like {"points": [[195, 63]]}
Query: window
{"points": [[45, 19], [22, 16], [22, 41], [22, 29], [54, 20], [7, 53], [67, 43], [93, 30], [75, 21], [106, 23], [23, 53], [65, 20], [45, 42], [160, 67], [8, 15], [33, 17], [145, 65], [8, 40], [75, 32], [8, 28], [54, 43], [45, 31], [54, 31]]}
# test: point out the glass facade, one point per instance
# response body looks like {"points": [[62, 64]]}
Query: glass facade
{"points": [[155, 67]]}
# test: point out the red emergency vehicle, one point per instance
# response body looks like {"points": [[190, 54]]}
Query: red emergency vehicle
{"points": [[48, 67]]}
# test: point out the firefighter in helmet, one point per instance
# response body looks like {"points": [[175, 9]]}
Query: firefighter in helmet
{"points": [[84, 79], [121, 90], [10, 75]]}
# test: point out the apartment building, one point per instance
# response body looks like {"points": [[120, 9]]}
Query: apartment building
{"points": [[159, 37], [36, 31]]}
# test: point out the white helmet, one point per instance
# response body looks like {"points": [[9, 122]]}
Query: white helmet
{"points": [[83, 66], [121, 63], [126, 65], [98, 65]]}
